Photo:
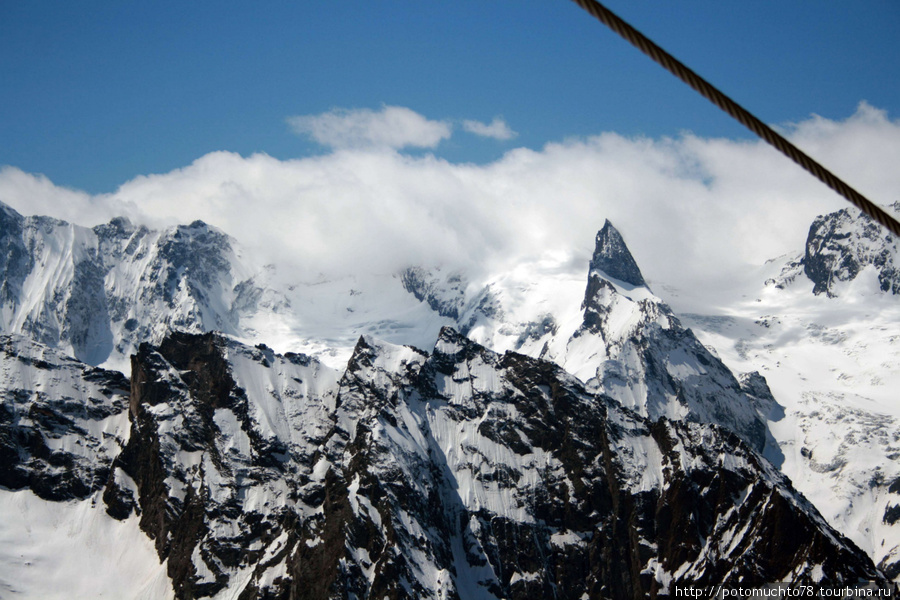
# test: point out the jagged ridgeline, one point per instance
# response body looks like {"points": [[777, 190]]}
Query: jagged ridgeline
{"points": [[456, 474]]}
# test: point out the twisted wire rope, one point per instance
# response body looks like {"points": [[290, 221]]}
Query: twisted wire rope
{"points": [[736, 111]]}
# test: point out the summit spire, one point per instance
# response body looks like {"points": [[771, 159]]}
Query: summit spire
{"points": [[612, 256]]}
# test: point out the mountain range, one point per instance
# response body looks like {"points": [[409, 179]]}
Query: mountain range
{"points": [[419, 434]]}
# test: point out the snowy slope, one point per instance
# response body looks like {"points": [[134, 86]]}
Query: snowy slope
{"points": [[62, 423], [324, 317], [65, 550]]}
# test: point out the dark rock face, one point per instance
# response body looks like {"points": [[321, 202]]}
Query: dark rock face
{"points": [[196, 451], [195, 249], [457, 474], [842, 243], [14, 259], [51, 412], [612, 257], [445, 295]]}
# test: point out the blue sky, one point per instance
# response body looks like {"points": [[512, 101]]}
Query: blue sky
{"points": [[93, 94]]}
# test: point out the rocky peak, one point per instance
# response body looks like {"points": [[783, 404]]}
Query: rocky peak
{"points": [[118, 228], [451, 343], [198, 249], [611, 260], [443, 292], [843, 243], [612, 257], [114, 285], [379, 368], [632, 347]]}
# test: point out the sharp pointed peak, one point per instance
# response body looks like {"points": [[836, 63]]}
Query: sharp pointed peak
{"points": [[612, 257]]}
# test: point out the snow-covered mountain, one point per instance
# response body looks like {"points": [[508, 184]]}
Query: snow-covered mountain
{"points": [[823, 328], [97, 293], [565, 422], [844, 245], [623, 341]]}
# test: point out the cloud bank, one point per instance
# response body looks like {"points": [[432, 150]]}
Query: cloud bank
{"points": [[694, 211]]}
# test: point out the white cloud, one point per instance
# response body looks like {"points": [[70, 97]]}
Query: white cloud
{"points": [[849, 147], [497, 129], [392, 127], [694, 211], [35, 194]]}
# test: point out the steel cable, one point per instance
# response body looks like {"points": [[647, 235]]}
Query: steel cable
{"points": [[706, 89]]}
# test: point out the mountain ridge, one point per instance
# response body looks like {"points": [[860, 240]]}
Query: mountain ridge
{"points": [[429, 472]]}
